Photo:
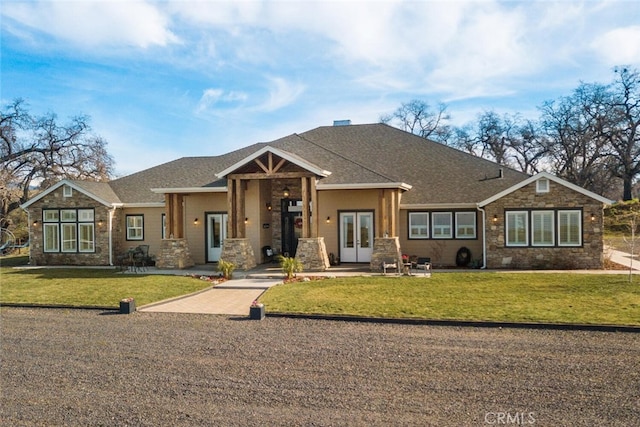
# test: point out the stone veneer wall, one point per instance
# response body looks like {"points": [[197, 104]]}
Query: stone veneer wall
{"points": [[56, 200], [239, 252], [174, 253], [312, 253], [384, 248], [588, 256]]}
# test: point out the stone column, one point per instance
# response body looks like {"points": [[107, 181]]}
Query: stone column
{"points": [[174, 253], [385, 248], [312, 253], [239, 252]]}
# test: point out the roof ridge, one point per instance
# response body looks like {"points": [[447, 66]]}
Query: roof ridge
{"points": [[344, 157]]}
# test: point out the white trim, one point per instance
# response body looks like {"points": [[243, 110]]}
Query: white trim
{"points": [[551, 178], [142, 205], [283, 154], [438, 206], [580, 217], [189, 190], [70, 184], [540, 188], [526, 229], [364, 186]]}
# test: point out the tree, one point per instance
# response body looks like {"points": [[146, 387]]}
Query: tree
{"points": [[418, 118], [35, 152], [579, 152], [622, 129]]}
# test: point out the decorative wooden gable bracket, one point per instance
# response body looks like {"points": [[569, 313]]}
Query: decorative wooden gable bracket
{"points": [[270, 170]]}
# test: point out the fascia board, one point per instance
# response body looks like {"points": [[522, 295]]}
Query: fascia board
{"points": [[365, 186], [189, 190], [437, 206]]}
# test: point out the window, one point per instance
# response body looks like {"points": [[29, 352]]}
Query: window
{"points": [[542, 228], [441, 225], [542, 185], [164, 226], [135, 227], [517, 228], [465, 225], [68, 230], [569, 228], [67, 191], [418, 225]]}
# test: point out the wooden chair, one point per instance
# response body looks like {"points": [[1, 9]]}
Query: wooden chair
{"points": [[423, 263]]}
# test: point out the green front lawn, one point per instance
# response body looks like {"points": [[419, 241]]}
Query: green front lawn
{"points": [[90, 287], [509, 297]]}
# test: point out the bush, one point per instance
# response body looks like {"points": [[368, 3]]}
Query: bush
{"points": [[226, 268], [290, 266]]}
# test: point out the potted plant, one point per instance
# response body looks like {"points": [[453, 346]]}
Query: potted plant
{"points": [[256, 311]]}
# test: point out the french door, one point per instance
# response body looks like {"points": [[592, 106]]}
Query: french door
{"points": [[216, 233], [356, 236]]}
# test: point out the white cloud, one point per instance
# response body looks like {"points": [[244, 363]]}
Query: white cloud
{"points": [[619, 46], [214, 99], [94, 23], [281, 94]]}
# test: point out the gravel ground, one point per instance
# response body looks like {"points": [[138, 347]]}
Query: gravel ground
{"points": [[90, 368]]}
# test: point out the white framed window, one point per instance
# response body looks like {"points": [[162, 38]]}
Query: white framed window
{"points": [[67, 191], [51, 237], [51, 215], [442, 225], [164, 226], [517, 228], [86, 237], [68, 215], [542, 228], [418, 225], [542, 185], [135, 227], [85, 215], [465, 225], [569, 228], [69, 237]]}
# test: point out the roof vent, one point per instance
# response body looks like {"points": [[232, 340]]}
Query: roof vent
{"points": [[341, 122]]}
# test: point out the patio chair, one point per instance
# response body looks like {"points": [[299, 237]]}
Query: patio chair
{"points": [[423, 263], [389, 263]]}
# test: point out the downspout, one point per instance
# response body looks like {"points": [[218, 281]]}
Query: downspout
{"points": [[484, 237], [112, 212], [29, 224]]}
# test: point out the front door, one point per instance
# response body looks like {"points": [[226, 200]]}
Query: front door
{"points": [[291, 226], [356, 236], [216, 233]]}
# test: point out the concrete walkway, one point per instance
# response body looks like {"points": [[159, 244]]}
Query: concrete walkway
{"points": [[233, 297]]}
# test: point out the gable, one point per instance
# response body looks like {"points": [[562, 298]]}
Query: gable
{"points": [[101, 192], [549, 177]]}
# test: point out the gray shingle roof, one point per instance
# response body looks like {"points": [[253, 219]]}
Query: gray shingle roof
{"points": [[355, 154]]}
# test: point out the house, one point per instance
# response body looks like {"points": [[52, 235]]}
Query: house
{"points": [[353, 193]]}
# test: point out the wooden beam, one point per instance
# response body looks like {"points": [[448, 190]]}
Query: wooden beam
{"points": [[262, 166], [278, 166], [231, 210], [305, 207], [276, 175], [240, 208], [315, 214]]}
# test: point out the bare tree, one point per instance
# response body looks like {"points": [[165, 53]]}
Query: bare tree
{"points": [[420, 119], [622, 127], [37, 152]]}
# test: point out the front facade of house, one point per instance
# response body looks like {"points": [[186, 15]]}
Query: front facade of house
{"points": [[348, 194]]}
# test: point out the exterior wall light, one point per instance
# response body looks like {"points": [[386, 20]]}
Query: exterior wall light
{"points": [[195, 221], [285, 192], [328, 219], [246, 220], [495, 218], [35, 223], [593, 216], [269, 207]]}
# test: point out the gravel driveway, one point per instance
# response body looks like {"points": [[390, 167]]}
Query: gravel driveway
{"points": [[88, 368]]}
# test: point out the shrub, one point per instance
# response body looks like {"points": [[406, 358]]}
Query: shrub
{"points": [[226, 268], [290, 266]]}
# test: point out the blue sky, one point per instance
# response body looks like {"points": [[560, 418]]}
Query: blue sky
{"points": [[163, 80]]}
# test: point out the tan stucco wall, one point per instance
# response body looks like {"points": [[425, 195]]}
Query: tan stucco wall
{"points": [[441, 251], [588, 256], [152, 229]]}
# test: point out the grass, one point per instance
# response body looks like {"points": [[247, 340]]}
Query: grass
{"points": [[507, 297], [88, 287]]}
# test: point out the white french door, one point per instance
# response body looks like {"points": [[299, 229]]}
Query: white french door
{"points": [[356, 236], [216, 233]]}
